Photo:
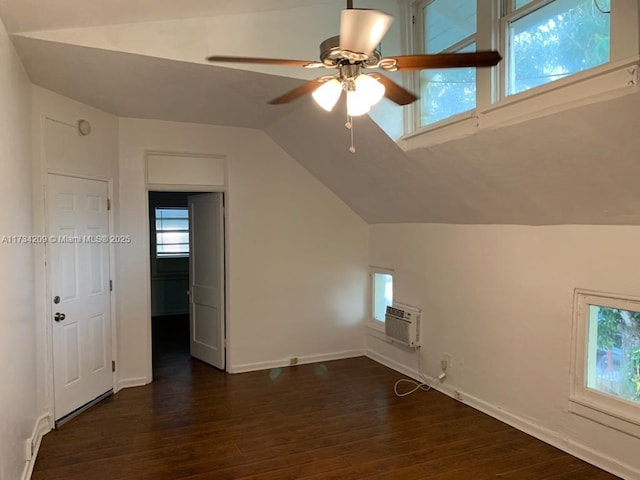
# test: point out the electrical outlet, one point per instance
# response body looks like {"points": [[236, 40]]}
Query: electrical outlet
{"points": [[446, 361], [293, 361]]}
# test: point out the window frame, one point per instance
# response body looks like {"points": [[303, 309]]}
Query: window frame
{"points": [[157, 231], [617, 413], [374, 322], [510, 15], [419, 41], [492, 104]]}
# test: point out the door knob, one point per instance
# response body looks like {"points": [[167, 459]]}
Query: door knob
{"points": [[58, 317]]}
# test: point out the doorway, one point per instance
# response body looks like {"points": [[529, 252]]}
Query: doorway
{"points": [[187, 279]]}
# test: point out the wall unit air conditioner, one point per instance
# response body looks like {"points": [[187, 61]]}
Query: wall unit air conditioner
{"points": [[402, 324]]}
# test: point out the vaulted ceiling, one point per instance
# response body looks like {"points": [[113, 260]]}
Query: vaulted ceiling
{"points": [[145, 59]]}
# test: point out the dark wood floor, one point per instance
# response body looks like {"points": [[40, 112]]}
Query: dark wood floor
{"points": [[337, 420]]}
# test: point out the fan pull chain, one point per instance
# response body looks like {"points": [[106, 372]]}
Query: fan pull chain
{"points": [[349, 126]]}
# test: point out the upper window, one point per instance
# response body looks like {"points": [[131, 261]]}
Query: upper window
{"points": [[172, 232], [449, 26], [549, 41], [607, 355], [382, 292], [541, 41]]}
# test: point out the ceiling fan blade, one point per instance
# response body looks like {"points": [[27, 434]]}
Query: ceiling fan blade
{"points": [[303, 89], [448, 60], [264, 61], [395, 92], [362, 30]]}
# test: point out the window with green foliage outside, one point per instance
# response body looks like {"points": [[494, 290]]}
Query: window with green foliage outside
{"points": [[558, 39], [450, 26], [540, 40], [613, 352]]}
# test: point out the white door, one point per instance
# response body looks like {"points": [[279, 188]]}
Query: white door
{"points": [[206, 278], [78, 255]]}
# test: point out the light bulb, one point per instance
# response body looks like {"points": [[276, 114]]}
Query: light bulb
{"points": [[327, 94], [357, 103], [371, 88]]}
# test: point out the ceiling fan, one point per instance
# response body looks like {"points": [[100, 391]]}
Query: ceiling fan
{"points": [[355, 51]]}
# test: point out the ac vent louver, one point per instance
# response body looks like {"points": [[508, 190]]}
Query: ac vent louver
{"points": [[402, 325]]}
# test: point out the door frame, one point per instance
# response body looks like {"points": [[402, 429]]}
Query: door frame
{"points": [[225, 276], [49, 380]]}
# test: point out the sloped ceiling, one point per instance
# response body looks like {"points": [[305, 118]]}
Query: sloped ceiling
{"points": [[577, 166], [139, 86]]}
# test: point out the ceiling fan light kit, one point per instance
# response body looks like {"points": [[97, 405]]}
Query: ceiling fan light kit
{"points": [[328, 94], [352, 51]]}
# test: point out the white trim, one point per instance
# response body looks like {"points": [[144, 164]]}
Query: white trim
{"points": [[156, 187], [611, 80], [371, 321], [398, 367], [608, 418], [612, 412], [63, 173], [132, 382], [548, 98], [41, 426], [284, 362], [552, 437], [113, 287], [528, 426], [224, 190], [195, 187]]}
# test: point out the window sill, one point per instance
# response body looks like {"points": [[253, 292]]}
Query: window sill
{"points": [[603, 416], [598, 84]]}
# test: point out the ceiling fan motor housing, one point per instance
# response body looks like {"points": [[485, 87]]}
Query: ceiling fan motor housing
{"points": [[331, 55]]}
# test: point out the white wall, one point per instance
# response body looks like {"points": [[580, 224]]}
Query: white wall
{"points": [[499, 300], [17, 325], [58, 147], [296, 254]]}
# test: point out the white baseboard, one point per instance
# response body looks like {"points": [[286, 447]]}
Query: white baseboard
{"points": [[284, 362], [552, 437], [131, 382], [556, 439], [42, 425], [397, 366]]}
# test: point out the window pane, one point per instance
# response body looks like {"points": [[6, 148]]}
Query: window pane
{"points": [[447, 22], [172, 212], [172, 231], [172, 224], [521, 3], [170, 238], [173, 250], [613, 352], [447, 92], [560, 39], [382, 294]]}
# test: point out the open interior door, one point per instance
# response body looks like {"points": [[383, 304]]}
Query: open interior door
{"points": [[206, 279]]}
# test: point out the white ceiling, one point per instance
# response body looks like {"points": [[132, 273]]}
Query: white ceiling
{"points": [[575, 167], [35, 15], [139, 86]]}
